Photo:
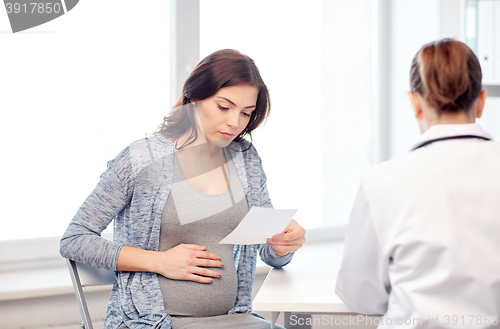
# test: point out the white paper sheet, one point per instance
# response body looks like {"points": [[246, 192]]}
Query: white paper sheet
{"points": [[260, 224]]}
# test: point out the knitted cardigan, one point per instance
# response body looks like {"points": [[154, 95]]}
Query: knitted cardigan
{"points": [[133, 191]]}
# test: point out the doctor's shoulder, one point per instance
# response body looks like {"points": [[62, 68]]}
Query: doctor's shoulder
{"points": [[399, 180]]}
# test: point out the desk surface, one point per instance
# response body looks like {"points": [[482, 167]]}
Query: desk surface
{"points": [[306, 285]]}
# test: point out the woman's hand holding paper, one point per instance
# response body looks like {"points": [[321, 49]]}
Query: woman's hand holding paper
{"points": [[290, 240]]}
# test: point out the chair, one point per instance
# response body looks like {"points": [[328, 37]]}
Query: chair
{"points": [[83, 276]]}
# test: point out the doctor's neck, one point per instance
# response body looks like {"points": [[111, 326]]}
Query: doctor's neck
{"points": [[432, 118], [428, 116]]}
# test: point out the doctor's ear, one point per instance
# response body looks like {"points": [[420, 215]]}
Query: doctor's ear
{"points": [[480, 103], [416, 104]]}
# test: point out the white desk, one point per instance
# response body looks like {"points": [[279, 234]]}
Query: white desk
{"points": [[306, 285]]}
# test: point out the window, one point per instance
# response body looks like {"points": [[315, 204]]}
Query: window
{"points": [[75, 91]]}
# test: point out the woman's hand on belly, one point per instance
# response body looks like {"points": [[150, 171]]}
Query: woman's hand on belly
{"points": [[188, 262]]}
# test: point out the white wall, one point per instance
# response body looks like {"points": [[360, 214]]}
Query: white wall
{"points": [[413, 23]]}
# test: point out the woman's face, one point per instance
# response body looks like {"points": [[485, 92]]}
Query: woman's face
{"points": [[224, 115]]}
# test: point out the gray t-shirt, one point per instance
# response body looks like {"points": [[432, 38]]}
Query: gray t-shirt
{"points": [[191, 216]]}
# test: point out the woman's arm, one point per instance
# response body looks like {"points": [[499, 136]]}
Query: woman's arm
{"points": [[183, 262], [82, 241]]}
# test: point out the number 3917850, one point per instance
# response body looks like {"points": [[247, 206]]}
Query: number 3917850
{"points": [[470, 320], [33, 8]]}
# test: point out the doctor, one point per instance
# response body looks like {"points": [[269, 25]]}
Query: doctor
{"points": [[423, 243]]}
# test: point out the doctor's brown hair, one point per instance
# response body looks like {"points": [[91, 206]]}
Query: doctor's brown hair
{"points": [[447, 74], [223, 68]]}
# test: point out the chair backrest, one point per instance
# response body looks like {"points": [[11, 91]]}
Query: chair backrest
{"points": [[83, 276]]}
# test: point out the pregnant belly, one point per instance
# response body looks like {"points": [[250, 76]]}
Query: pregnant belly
{"points": [[189, 298]]}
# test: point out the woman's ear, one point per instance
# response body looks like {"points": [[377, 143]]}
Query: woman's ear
{"points": [[415, 103], [480, 103]]}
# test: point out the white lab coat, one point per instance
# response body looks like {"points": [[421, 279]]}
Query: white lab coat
{"points": [[423, 240]]}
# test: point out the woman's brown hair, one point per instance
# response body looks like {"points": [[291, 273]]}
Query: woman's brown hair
{"points": [[447, 74], [223, 68]]}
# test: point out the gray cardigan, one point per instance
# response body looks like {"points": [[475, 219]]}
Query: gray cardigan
{"points": [[133, 191]]}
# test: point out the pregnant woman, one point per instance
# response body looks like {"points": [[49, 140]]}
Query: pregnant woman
{"points": [[173, 196]]}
